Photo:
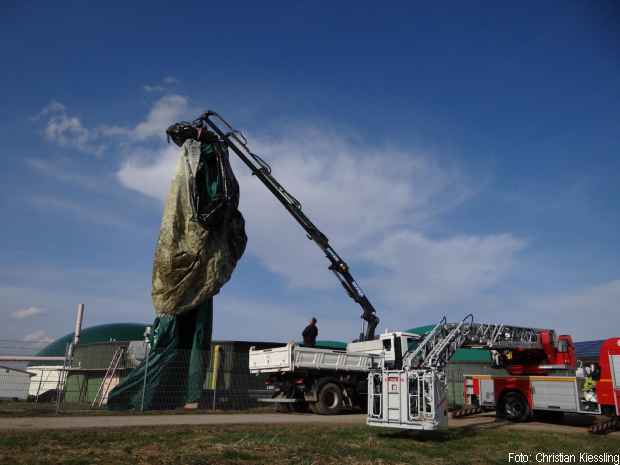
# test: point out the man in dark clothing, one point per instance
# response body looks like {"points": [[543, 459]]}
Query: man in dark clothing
{"points": [[310, 333]]}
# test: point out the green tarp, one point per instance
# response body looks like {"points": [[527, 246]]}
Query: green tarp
{"points": [[176, 366], [202, 236]]}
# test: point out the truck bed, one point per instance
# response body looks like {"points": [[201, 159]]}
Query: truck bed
{"points": [[292, 357]]}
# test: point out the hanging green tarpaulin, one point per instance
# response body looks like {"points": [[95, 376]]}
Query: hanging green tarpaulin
{"points": [[202, 236]]}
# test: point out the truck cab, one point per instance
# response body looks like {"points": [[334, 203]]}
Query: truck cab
{"points": [[395, 347], [391, 346]]}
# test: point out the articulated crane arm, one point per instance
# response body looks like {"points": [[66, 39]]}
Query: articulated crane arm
{"points": [[239, 145]]}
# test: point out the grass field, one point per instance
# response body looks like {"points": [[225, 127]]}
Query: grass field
{"points": [[292, 444]]}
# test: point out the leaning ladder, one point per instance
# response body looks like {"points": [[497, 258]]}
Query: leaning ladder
{"points": [[104, 387], [63, 374]]}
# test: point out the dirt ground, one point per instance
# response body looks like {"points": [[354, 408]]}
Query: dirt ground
{"points": [[570, 424]]}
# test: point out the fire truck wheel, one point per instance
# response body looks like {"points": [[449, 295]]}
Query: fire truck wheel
{"points": [[548, 415], [330, 400], [514, 407]]}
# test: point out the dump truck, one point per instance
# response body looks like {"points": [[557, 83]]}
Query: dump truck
{"points": [[326, 381]]}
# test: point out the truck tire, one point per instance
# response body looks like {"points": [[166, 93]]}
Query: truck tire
{"points": [[514, 407], [299, 407], [549, 415], [282, 407], [329, 400]]}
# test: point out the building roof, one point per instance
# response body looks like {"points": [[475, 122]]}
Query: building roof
{"points": [[16, 370], [588, 349], [100, 333]]}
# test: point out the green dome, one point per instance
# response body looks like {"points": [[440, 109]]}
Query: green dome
{"points": [[100, 333], [421, 330]]}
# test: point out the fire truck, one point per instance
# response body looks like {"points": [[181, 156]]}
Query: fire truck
{"points": [[550, 382], [409, 389]]}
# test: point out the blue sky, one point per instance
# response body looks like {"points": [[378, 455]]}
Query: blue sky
{"points": [[463, 158]]}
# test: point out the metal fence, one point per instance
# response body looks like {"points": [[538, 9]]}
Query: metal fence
{"points": [[85, 378]]}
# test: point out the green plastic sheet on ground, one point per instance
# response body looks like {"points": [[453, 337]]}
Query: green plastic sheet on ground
{"points": [[175, 367]]}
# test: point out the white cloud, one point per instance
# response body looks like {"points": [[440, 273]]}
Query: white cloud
{"points": [[587, 313], [165, 84], [166, 111], [150, 174], [38, 336], [419, 272], [153, 88], [27, 312], [68, 131]]}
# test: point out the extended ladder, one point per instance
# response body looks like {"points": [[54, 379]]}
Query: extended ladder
{"points": [[442, 352], [432, 339], [499, 336], [444, 339]]}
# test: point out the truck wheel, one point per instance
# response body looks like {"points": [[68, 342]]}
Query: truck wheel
{"points": [[282, 407], [363, 403], [299, 407], [514, 407], [330, 400], [549, 415]]}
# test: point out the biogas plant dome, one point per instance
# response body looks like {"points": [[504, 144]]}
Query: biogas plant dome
{"points": [[101, 333]]}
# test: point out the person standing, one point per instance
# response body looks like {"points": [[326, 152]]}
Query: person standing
{"points": [[310, 333]]}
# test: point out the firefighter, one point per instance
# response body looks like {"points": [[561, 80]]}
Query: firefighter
{"points": [[589, 384]]}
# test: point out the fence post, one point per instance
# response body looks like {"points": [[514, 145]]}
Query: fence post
{"points": [[147, 353], [216, 367]]}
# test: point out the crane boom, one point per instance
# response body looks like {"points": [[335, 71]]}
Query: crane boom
{"points": [[259, 168]]}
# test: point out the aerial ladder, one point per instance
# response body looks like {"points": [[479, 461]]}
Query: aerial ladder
{"points": [[412, 393], [237, 142]]}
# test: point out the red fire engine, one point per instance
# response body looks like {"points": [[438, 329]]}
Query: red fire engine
{"points": [[549, 379]]}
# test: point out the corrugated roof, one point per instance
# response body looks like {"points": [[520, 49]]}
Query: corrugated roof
{"points": [[588, 349]]}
